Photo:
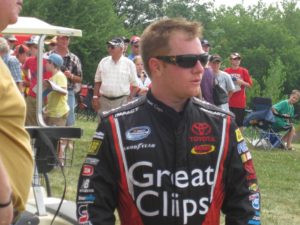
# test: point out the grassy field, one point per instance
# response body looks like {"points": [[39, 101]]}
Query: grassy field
{"points": [[278, 173]]}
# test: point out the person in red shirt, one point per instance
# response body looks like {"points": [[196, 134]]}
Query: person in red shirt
{"points": [[241, 79], [30, 71]]}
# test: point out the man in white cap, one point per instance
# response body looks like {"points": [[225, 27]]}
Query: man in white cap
{"points": [[114, 76]]}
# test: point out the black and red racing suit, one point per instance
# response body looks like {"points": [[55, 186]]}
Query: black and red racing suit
{"points": [[160, 167]]}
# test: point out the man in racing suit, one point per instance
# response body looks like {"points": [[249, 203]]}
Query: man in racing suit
{"points": [[168, 158]]}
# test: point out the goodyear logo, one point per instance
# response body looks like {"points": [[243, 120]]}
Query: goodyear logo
{"points": [[239, 136], [202, 149], [94, 147]]}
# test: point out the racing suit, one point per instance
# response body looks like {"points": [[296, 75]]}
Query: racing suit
{"points": [[157, 166]]}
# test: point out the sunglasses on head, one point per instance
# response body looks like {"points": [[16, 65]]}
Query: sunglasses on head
{"points": [[185, 61]]}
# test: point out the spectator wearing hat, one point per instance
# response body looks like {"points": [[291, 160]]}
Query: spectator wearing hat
{"points": [[11, 62], [11, 40], [135, 47], [57, 105], [51, 43], [221, 78], [241, 79], [114, 77], [73, 71], [207, 81], [57, 108], [30, 82]]}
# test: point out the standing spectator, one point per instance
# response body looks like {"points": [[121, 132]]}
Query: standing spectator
{"points": [[241, 79], [15, 149], [135, 47], [222, 78], [57, 107], [114, 76], [73, 71], [284, 111], [30, 71], [12, 40], [126, 43], [21, 52], [51, 43], [207, 81], [143, 79], [168, 158], [12, 63]]}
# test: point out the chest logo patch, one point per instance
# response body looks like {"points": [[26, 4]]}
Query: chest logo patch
{"points": [[202, 149], [138, 133]]}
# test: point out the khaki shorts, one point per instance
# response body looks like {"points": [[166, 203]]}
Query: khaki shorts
{"points": [[57, 121]]}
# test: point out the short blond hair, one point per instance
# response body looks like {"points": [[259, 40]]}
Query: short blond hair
{"points": [[296, 92], [155, 38]]}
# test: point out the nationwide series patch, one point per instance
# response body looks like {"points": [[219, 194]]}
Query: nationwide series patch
{"points": [[94, 147], [239, 136]]}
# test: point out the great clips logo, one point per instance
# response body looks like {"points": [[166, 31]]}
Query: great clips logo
{"points": [[201, 132]]}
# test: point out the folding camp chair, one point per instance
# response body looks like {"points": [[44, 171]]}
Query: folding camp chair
{"points": [[258, 123]]}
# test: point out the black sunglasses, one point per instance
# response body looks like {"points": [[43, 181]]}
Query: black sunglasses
{"points": [[110, 46], [185, 61]]}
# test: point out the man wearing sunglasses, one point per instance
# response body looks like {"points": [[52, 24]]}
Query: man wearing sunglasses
{"points": [[168, 158]]}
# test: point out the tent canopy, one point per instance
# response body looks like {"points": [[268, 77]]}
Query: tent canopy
{"points": [[30, 25]]}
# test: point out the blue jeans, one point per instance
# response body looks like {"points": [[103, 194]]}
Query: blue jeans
{"points": [[71, 103]]}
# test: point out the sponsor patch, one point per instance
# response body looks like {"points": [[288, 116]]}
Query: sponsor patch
{"points": [[138, 133], [85, 183], [242, 147], [91, 161], [201, 129], [87, 170], [239, 136], [254, 222], [202, 149], [83, 214], [86, 198], [246, 157], [253, 187], [140, 146], [254, 198], [99, 135], [94, 147]]}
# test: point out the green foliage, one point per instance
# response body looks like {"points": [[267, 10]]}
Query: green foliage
{"points": [[254, 91], [259, 33], [96, 18], [274, 80]]}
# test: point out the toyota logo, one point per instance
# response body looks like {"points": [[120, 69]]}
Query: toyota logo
{"points": [[201, 129]]}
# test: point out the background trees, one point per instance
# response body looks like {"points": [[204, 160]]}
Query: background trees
{"points": [[266, 36]]}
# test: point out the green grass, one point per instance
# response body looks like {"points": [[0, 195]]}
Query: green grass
{"points": [[278, 175]]}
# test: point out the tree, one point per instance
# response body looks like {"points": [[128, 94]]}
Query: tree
{"points": [[96, 18], [274, 81]]}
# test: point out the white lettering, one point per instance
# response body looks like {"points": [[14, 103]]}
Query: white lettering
{"points": [[181, 176], [149, 177], [198, 180], [203, 202], [186, 211], [209, 179], [139, 205]]}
